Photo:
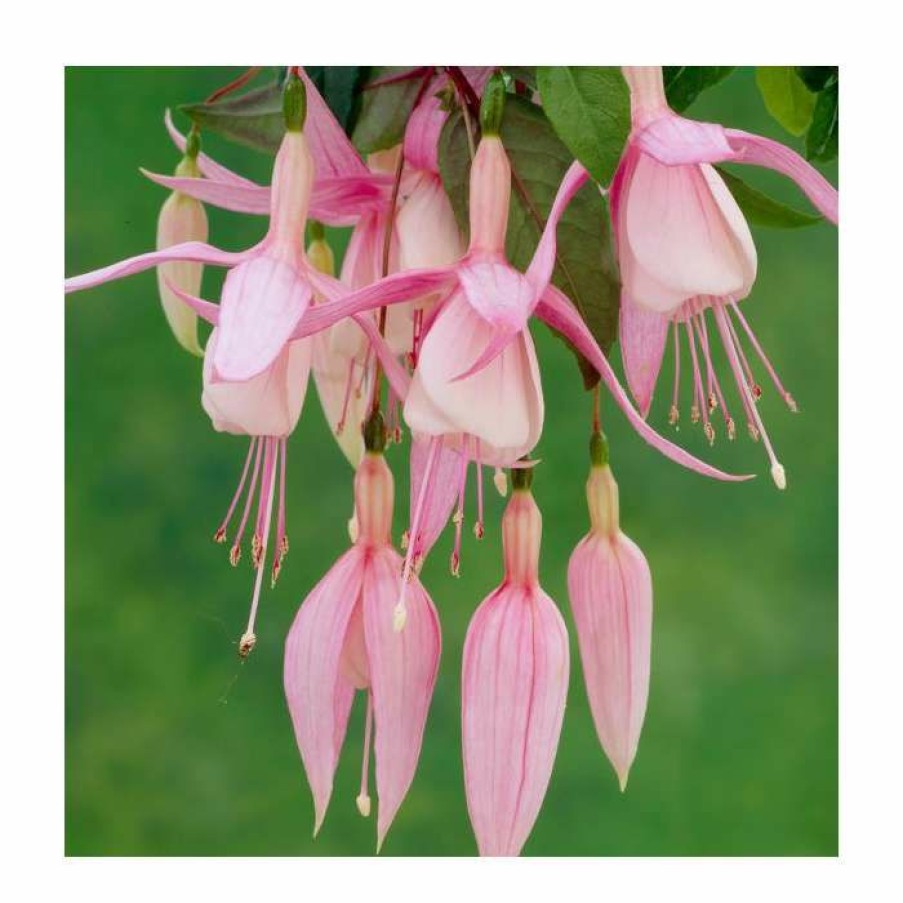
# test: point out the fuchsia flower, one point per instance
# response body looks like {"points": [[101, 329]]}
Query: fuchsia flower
{"points": [[684, 248], [342, 640], [513, 689], [610, 589]]}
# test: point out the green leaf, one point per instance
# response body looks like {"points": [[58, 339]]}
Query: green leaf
{"points": [[385, 109], [253, 118], [586, 270], [525, 74], [786, 97], [762, 210], [822, 138], [589, 107], [817, 78], [683, 84]]}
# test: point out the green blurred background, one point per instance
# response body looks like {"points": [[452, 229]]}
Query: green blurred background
{"points": [[174, 748]]}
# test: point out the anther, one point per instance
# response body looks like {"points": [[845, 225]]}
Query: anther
{"points": [[753, 432], [455, 564], [779, 475], [478, 529], [405, 540], [256, 550], [673, 415], [246, 644], [235, 555], [220, 535], [709, 431], [500, 479], [694, 413], [731, 429]]}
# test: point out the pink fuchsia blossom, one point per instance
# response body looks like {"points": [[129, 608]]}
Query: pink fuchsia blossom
{"points": [[610, 589], [342, 641], [182, 218], [684, 248], [513, 691]]}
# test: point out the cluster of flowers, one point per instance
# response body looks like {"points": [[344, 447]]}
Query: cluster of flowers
{"points": [[446, 326]]}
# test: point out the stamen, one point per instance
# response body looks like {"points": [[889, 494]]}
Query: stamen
{"points": [[220, 535], [674, 413], [716, 384], [478, 526], [754, 387], [459, 515], [363, 799], [235, 551], [281, 549], [269, 478], [788, 398], [416, 337], [721, 318], [400, 614], [711, 398], [349, 382], [249, 638], [364, 373], [698, 394]]}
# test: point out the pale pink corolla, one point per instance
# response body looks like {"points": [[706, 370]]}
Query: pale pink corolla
{"points": [[610, 589], [684, 248], [342, 641], [182, 218], [513, 691]]}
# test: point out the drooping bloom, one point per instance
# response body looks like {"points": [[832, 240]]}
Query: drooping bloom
{"points": [[342, 640], [684, 248], [514, 688], [610, 589], [182, 218]]}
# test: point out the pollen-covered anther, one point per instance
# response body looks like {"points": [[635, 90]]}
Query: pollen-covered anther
{"points": [[709, 431], [397, 435], [731, 429], [695, 414], [458, 517], [277, 567], [256, 550], [363, 805], [673, 415], [756, 391], [235, 555], [454, 564], [220, 535], [478, 530], [246, 644], [713, 402], [405, 540], [283, 547], [791, 403], [753, 432]]}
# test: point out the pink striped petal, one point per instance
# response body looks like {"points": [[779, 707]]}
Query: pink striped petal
{"points": [[421, 136], [643, 335], [498, 293], [196, 251], [543, 263], [556, 310], [610, 589], [228, 195], [441, 500], [207, 165], [319, 697], [262, 303], [403, 669], [391, 290], [761, 151], [513, 693], [676, 141]]}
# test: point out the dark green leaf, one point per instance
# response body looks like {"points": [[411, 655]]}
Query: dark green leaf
{"points": [[817, 78], [254, 118], [762, 210], [589, 107], [341, 90], [821, 141], [587, 270], [786, 97], [525, 74], [385, 109], [683, 84]]}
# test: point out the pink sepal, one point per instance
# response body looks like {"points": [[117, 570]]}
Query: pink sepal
{"points": [[676, 141], [206, 310], [207, 165], [556, 310], [196, 251], [643, 334]]}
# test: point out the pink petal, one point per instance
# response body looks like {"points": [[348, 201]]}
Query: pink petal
{"points": [[207, 165], [403, 669], [421, 136], [764, 152], [610, 588], [391, 290], [228, 195], [267, 405], [441, 500], [498, 293], [196, 251], [428, 234], [674, 141], [543, 263], [681, 234], [556, 310], [262, 303], [643, 335], [339, 201], [513, 693], [318, 695], [501, 405]]}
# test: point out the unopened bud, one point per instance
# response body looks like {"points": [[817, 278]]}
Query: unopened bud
{"points": [[492, 106], [294, 103]]}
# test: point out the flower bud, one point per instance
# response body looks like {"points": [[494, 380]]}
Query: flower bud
{"points": [[181, 219], [610, 588]]}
